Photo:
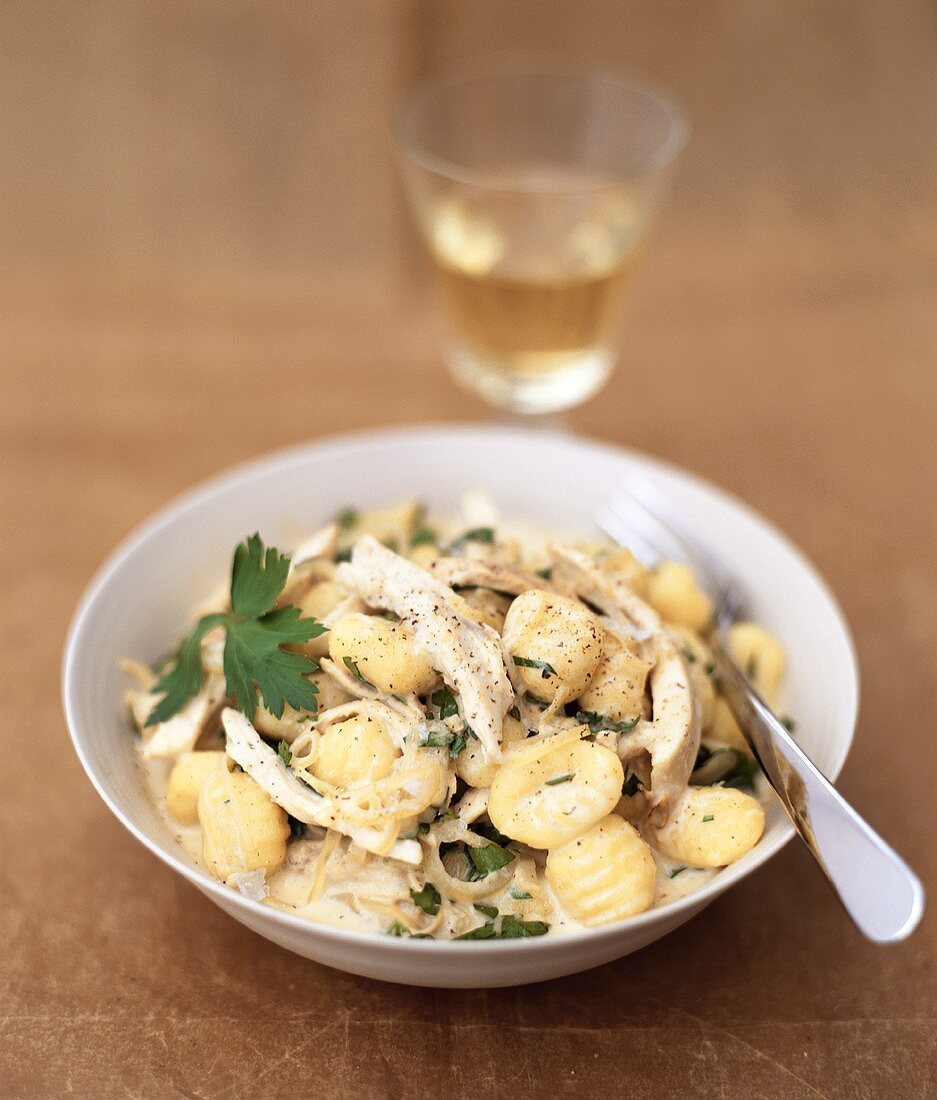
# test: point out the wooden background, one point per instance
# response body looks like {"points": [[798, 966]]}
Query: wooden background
{"points": [[204, 255]]}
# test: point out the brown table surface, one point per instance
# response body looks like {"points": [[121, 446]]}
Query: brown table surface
{"points": [[205, 256]]}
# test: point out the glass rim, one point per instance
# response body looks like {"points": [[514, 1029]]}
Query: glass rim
{"points": [[666, 153]]}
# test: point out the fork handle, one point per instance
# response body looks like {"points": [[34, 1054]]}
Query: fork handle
{"points": [[877, 888]]}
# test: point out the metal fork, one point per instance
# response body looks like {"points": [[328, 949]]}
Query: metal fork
{"points": [[879, 891]]}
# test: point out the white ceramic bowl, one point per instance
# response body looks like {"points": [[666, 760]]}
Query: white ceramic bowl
{"points": [[139, 600]]}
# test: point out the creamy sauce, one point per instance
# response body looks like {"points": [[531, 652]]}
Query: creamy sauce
{"points": [[366, 884]]}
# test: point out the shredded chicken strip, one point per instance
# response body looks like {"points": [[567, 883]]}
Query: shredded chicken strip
{"points": [[179, 733], [470, 573], [466, 652]]}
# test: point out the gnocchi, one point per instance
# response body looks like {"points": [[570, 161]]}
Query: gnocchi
{"points": [[358, 748], [604, 875], [549, 796], [383, 653], [674, 594], [555, 643], [243, 829], [188, 774], [711, 827], [457, 734]]}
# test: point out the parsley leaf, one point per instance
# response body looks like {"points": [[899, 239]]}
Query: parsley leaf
{"points": [[395, 928], [348, 518], [519, 895], [486, 910], [285, 753], [255, 629], [428, 899], [184, 679], [257, 577]]}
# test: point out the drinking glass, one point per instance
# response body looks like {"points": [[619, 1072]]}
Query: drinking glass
{"points": [[533, 192]]}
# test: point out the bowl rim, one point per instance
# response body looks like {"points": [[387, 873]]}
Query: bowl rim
{"points": [[189, 500]]}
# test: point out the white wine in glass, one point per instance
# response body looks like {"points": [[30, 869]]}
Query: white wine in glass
{"points": [[533, 236]]}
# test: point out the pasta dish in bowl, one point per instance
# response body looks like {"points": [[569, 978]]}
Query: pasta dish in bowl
{"points": [[426, 728], [387, 734]]}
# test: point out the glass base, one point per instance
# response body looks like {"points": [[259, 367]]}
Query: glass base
{"points": [[548, 383]]}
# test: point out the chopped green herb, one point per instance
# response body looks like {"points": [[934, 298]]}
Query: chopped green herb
{"points": [[486, 910], [475, 534], [676, 871], [513, 927], [530, 662], [751, 670], [395, 928], [355, 671], [489, 832], [435, 739], [297, 827], [519, 895], [285, 753], [255, 630], [546, 573], [690, 656], [458, 744], [557, 780], [742, 776], [730, 767], [710, 668], [788, 723], [632, 785], [490, 858], [483, 932], [598, 723], [427, 899], [709, 817], [423, 537], [348, 518], [445, 701], [344, 555]]}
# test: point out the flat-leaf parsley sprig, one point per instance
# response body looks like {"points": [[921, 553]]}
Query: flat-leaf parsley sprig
{"points": [[255, 630]]}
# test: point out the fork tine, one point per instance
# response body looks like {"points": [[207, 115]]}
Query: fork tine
{"points": [[696, 551], [630, 512], [629, 528]]}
